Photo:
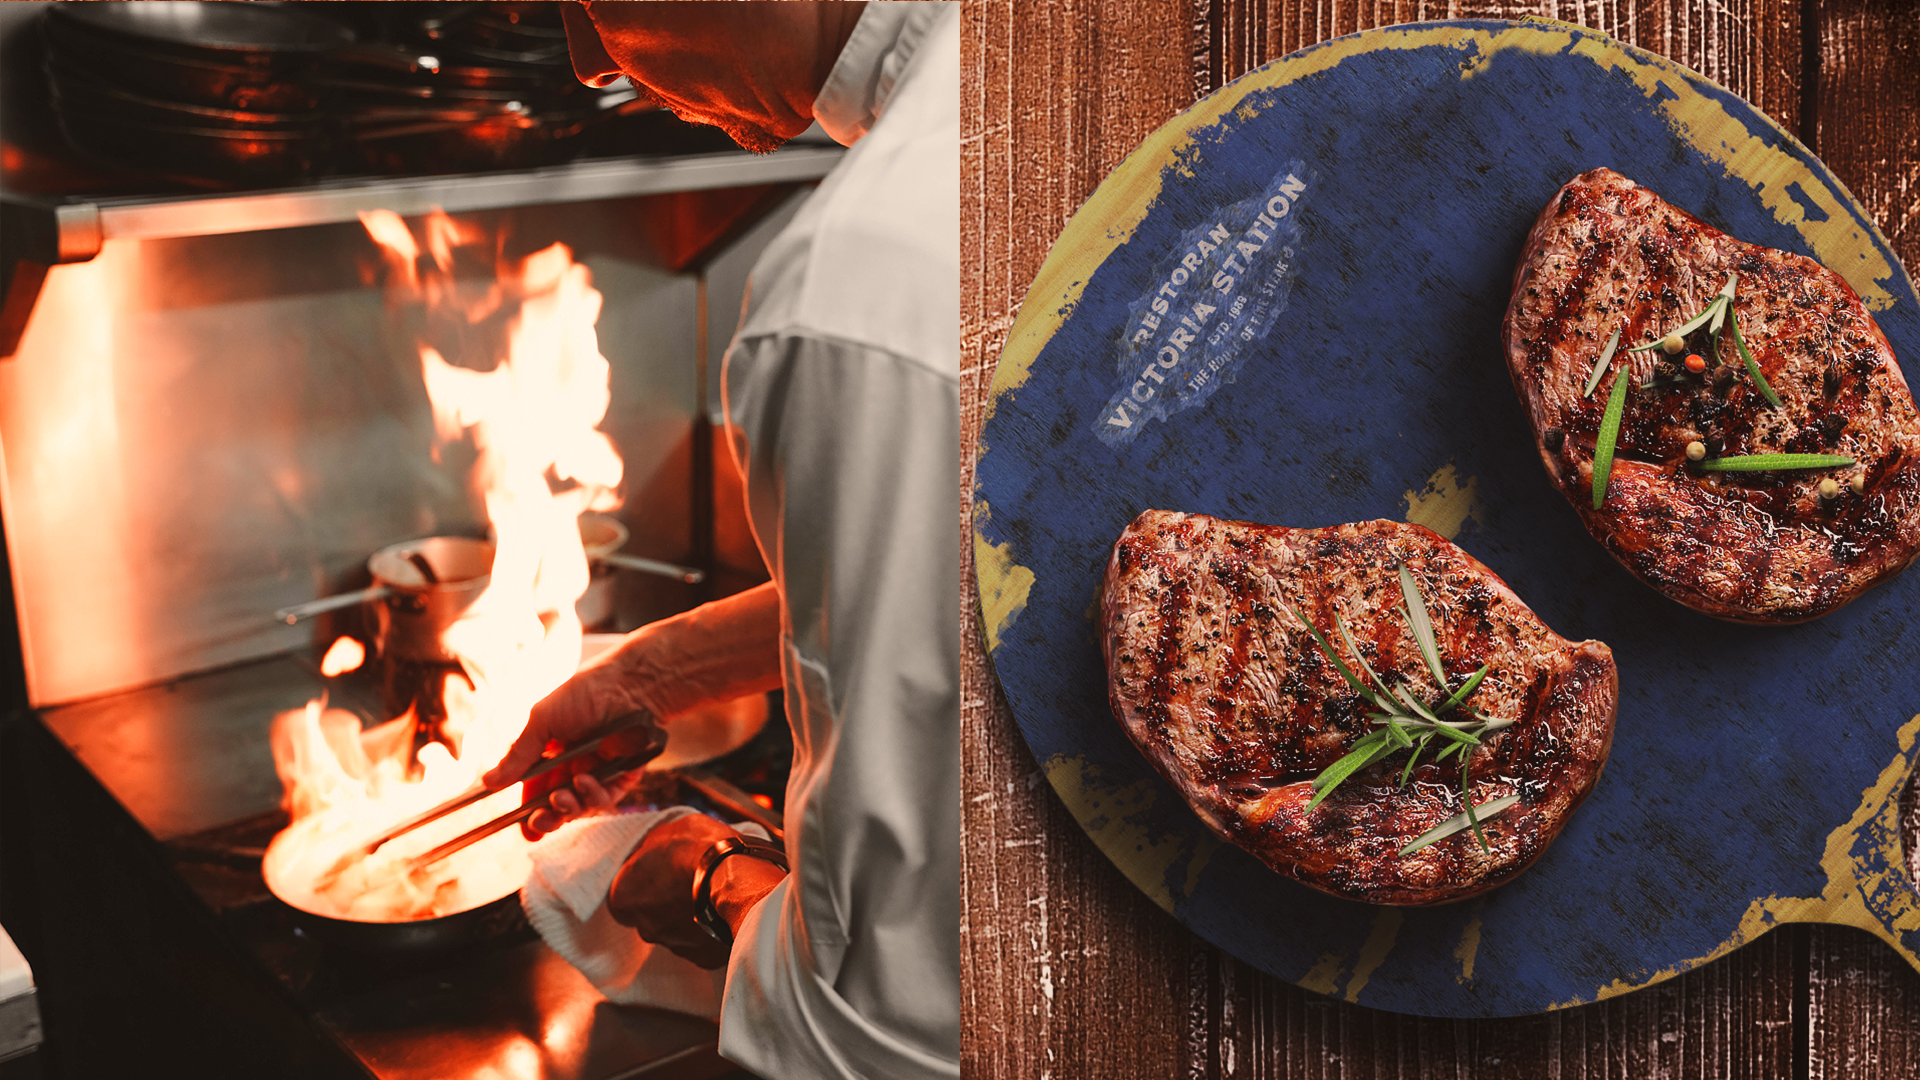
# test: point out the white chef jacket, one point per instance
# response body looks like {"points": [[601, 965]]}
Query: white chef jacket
{"points": [[842, 399]]}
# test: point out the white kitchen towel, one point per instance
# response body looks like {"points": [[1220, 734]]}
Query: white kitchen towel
{"points": [[566, 901]]}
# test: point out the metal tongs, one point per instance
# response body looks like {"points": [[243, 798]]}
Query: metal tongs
{"points": [[602, 772]]}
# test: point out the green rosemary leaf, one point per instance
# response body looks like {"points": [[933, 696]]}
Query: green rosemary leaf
{"points": [[1422, 625], [1415, 756], [1491, 723], [1685, 328], [1347, 766], [1600, 365], [1398, 733], [1321, 640], [1464, 738], [1609, 434], [1362, 747], [1769, 462], [1468, 687], [1458, 822], [1723, 303], [1340, 625], [1466, 800], [1753, 368], [1414, 706]]}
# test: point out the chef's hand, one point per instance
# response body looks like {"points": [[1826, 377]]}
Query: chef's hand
{"points": [[717, 652], [654, 890], [580, 709]]}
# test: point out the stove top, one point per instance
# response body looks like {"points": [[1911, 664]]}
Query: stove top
{"points": [[189, 763]]}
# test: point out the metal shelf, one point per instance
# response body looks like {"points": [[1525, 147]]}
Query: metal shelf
{"points": [[38, 231], [82, 226]]}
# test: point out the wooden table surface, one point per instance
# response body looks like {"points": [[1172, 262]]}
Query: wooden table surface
{"points": [[1067, 971]]}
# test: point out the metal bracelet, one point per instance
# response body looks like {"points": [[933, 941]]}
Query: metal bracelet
{"points": [[704, 913]]}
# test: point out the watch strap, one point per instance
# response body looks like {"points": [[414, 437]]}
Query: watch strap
{"points": [[721, 850]]}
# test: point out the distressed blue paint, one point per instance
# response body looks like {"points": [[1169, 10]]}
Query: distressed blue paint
{"points": [[1738, 749]]}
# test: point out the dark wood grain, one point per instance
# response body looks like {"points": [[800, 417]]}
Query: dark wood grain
{"points": [[1863, 1002], [1054, 97], [1067, 971]]}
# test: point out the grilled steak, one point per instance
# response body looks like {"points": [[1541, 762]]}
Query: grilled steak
{"points": [[1223, 689], [1753, 547]]}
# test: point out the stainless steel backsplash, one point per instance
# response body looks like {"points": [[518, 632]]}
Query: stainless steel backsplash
{"points": [[198, 431]]}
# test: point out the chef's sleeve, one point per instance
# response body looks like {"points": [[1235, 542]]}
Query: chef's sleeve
{"points": [[851, 967]]}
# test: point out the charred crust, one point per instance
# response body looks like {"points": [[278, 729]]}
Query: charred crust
{"points": [[1639, 264]]}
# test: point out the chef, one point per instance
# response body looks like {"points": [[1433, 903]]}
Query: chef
{"points": [[841, 395]]}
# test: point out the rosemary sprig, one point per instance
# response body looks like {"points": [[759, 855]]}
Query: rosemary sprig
{"points": [[1770, 462], [1414, 606], [1753, 368], [1461, 821], [1718, 311], [1600, 366], [1609, 435], [1688, 327], [1407, 723]]}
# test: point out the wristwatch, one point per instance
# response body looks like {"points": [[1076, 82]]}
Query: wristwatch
{"points": [[704, 912]]}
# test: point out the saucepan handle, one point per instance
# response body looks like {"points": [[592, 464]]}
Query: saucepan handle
{"points": [[688, 574], [294, 614]]}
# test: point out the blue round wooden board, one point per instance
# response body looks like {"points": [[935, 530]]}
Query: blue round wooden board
{"points": [[1368, 198]]}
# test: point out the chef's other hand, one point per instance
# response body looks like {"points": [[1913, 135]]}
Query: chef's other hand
{"points": [[572, 790], [579, 710], [653, 892]]}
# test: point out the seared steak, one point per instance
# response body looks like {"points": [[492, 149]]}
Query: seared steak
{"points": [[1753, 547], [1223, 689]]}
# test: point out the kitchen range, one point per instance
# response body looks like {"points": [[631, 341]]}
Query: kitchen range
{"points": [[314, 481]]}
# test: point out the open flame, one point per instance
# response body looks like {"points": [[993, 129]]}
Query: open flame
{"points": [[541, 463]]}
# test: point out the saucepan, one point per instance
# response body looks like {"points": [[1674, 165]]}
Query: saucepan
{"points": [[420, 587]]}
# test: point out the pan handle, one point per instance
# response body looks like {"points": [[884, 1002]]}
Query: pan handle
{"points": [[294, 614], [688, 574]]}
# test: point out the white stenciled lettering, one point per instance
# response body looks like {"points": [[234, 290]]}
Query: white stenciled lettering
{"points": [[1219, 290]]}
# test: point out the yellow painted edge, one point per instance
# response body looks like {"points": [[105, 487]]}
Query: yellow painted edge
{"points": [[1843, 900], [1108, 218], [1325, 976], [1380, 939], [1113, 816], [1469, 946], [1445, 503], [1004, 583], [1837, 242]]}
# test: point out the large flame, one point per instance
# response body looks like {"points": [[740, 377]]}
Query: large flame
{"points": [[531, 415]]}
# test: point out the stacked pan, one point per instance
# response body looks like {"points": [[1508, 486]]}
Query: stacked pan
{"points": [[459, 87], [200, 91], [263, 95]]}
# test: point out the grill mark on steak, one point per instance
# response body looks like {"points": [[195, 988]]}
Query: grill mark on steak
{"points": [[1242, 722], [1751, 547]]}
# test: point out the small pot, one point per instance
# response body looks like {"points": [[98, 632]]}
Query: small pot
{"points": [[420, 587], [415, 612]]}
